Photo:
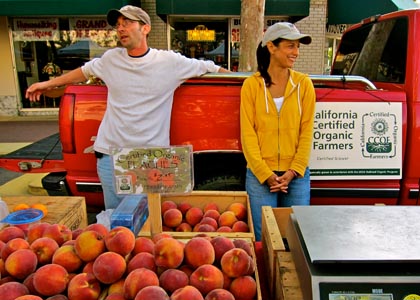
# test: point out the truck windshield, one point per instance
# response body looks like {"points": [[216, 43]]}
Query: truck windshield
{"points": [[377, 51]]}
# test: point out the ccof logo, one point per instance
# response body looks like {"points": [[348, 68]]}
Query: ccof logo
{"points": [[379, 141]]}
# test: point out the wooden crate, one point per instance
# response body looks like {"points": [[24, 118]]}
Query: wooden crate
{"points": [[70, 211], [282, 276], [199, 199], [254, 257]]}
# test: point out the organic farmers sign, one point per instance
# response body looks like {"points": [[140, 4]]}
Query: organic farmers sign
{"points": [[357, 141]]}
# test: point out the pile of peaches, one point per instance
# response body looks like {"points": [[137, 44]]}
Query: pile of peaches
{"points": [[52, 262], [184, 217]]}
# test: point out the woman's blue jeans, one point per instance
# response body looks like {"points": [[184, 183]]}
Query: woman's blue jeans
{"points": [[106, 175], [259, 195]]}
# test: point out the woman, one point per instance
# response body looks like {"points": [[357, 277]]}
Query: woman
{"points": [[277, 114]]}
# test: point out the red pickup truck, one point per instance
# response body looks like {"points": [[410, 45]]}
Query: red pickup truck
{"points": [[366, 133]]}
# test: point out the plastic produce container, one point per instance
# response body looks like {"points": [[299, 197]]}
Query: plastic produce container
{"points": [[24, 218], [132, 213]]}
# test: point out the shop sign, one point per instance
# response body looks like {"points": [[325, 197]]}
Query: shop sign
{"points": [[90, 28], [357, 141], [235, 25], [337, 29], [153, 170], [40, 29]]}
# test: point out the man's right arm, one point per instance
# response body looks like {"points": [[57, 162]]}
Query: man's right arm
{"points": [[34, 92]]}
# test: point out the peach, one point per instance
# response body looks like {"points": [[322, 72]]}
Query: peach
{"points": [[206, 278], [212, 213], [227, 218], [168, 253], [160, 235], [29, 283], [115, 296], [57, 297], [13, 289], [143, 244], [117, 287], [187, 292], [226, 281], [100, 228], [240, 226], [184, 227], [44, 248], [152, 292], [84, 286], [67, 257], [10, 232], [142, 260], [167, 204], [138, 279], [75, 233], [173, 279], [235, 262], [184, 207], [220, 294], [243, 244], [121, 240], [239, 209], [7, 278], [221, 244], [211, 206], [224, 229], [13, 245], [200, 227], [88, 267], [58, 232], [252, 266], [243, 288], [109, 267], [199, 251], [21, 263], [3, 272], [210, 221], [28, 297], [89, 244], [35, 231], [172, 217], [194, 215], [186, 269], [51, 279]]}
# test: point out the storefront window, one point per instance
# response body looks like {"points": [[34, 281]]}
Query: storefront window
{"points": [[201, 40], [48, 47]]}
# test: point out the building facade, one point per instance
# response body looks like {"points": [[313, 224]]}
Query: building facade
{"points": [[40, 41]]}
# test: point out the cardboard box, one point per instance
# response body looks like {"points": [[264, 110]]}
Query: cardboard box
{"points": [[70, 211], [199, 199], [281, 271]]}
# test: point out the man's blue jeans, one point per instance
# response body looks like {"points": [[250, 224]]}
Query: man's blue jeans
{"points": [[260, 195], [106, 175]]}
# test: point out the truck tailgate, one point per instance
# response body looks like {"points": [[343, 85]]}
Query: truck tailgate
{"points": [[42, 156]]}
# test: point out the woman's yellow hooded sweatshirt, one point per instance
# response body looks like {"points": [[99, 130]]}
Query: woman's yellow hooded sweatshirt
{"points": [[273, 140]]}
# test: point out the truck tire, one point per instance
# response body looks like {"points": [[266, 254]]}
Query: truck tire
{"points": [[219, 171]]}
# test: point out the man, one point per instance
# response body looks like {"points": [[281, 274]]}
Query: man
{"points": [[141, 83]]}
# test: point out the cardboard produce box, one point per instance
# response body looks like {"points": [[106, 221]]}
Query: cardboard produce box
{"points": [[70, 211], [282, 276], [199, 199]]}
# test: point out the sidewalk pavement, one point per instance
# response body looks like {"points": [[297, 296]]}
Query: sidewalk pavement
{"points": [[17, 132]]}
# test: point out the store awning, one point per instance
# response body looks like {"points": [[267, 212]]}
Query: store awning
{"points": [[351, 12], [296, 9], [21, 8]]}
